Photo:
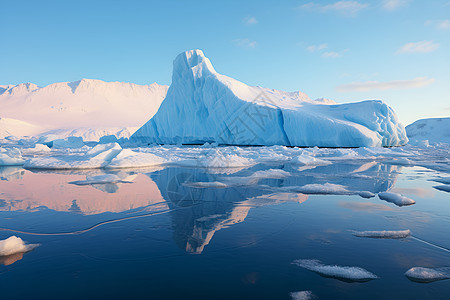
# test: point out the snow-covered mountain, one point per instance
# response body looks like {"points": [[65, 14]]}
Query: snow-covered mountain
{"points": [[86, 104], [433, 130], [205, 106], [13, 127]]}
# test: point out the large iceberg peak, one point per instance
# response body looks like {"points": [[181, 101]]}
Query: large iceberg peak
{"points": [[203, 106], [192, 61]]}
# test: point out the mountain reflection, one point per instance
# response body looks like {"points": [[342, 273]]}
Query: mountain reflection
{"points": [[196, 213]]}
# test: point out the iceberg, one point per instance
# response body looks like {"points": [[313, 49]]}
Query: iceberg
{"points": [[425, 131], [203, 106], [13, 245]]}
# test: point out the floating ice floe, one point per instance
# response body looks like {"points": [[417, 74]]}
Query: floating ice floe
{"points": [[14, 245], [7, 160], [366, 194], [212, 184], [97, 157], [400, 234], [445, 187], [351, 274], [322, 189], [395, 198], [11, 157], [302, 295], [425, 275], [131, 159], [100, 179]]}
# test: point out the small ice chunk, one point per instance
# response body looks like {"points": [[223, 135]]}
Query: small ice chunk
{"points": [[11, 160], [131, 159], [349, 274], [400, 234], [13, 245], [308, 160], [40, 147], [302, 295], [395, 198], [323, 189], [445, 188], [69, 142], [425, 275], [366, 194], [100, 179], [213, 184]]}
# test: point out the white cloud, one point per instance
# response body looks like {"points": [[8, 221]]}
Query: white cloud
{"points": [[388, 85], [391, 5], [315, 48], [439, 24], [331, 54], [245, 43], [419, 47], [445, 25], [250, 21], [350, 8]]}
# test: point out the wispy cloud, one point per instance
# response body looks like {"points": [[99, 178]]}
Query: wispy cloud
{"points": [[387, 85], [418, 47], [331, 54], [391, 5], [445, 25], [250, 20], [315, 48], [245, 43], [349, 8], [439, 24]]}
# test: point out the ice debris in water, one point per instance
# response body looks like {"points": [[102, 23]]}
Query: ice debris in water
{"points": [[366, 194], [213, 184], [302, 295], [13, 245], [131, 159], [323, 189], [425, 275], [385, 234], [351, 274], [445, 187], [395, 198], [11, 157]]}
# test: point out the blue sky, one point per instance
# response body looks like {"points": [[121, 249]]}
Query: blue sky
{"points": [[394, 50]]}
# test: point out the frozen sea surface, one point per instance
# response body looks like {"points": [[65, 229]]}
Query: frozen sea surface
{"points": [[171, 222]]}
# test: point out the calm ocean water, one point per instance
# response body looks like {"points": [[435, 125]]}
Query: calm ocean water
{"points": [[161, 235]]}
